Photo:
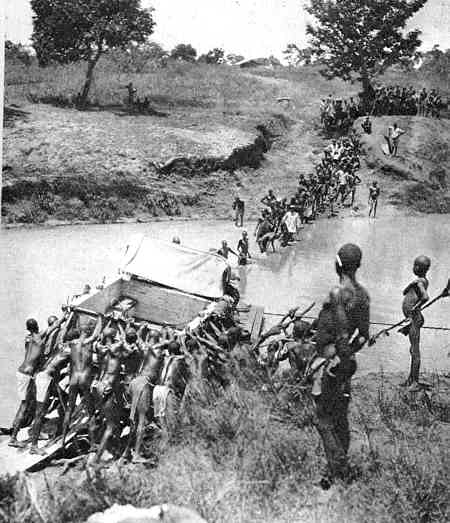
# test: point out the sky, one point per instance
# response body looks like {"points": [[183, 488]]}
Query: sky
{"points": [[252, 28]]}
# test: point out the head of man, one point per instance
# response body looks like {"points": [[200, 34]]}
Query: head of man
{"points": [[224, 244], [244, 234], [174, 348], [32, 326], [270, 192], [301, 329], [348, 259], [51, 320], [109, 334], [131, 335], [421, 265]]}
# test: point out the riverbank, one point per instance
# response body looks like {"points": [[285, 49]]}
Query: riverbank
{"points": [[252, 455], [218, 133]]}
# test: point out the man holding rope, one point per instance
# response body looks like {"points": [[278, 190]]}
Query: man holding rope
{"points": [[342, 329], [416, 295]]}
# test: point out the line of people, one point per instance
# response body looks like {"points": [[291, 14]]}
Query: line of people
{"points": [[334, 183], [123, 371], [339, 114]]}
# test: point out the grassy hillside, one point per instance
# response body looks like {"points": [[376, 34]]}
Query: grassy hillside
{"points": [[254, 457], [206, 139], [419, 177]]}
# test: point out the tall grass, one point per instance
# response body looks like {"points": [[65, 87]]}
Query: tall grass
{"points": [[243, 455]]}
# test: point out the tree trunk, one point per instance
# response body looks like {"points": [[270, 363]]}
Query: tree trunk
{"points": [[367, 86], [82, 97]]}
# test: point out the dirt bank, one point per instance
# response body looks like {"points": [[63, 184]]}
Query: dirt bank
{"points": [[419, 177], [63, 165]]}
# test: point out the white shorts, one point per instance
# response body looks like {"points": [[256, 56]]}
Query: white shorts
{"points": [[160, 396], [42, 381], [23, 382]]}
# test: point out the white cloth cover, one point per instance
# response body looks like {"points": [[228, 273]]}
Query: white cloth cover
{"points": [[175, 266]]}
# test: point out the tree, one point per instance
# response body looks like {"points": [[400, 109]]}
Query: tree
{"points": [[72, 30], [139, 57], [215, 56], [296, 56], [184, 52], [362, 36], [233, 59], [17, 53]]}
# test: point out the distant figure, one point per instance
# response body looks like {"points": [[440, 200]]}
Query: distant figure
{"points": [[393, 137], [131, 93], [242, 249], [239, 208], [367, 126], [176, 239], [415, 295], [225, 250], [374, 193], [269, 199]]}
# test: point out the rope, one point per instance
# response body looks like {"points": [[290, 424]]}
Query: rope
{"points": [[380, 323]]}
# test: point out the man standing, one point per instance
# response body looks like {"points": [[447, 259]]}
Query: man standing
{"points": [[243, 249], [239, 208], [342, 330], [415, 295], [393, 138], [374, 193], [34, 353]]}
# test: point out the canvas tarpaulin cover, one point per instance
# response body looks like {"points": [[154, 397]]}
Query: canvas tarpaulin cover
{"points": [[175, 266]]}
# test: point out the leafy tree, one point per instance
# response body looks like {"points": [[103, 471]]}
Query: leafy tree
{"points": [[296, 56], [184, 52], [72, 30], [139, 58], [17, 53], [233, 59], [362, 36], [215, 56]]}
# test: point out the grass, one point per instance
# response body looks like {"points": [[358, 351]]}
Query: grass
{"points": [[250, 456]]}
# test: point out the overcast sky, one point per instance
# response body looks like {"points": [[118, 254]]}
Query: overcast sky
{"points": [[249, 27]]}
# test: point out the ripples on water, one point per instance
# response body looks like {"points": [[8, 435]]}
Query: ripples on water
{"points": [[41, 267]]}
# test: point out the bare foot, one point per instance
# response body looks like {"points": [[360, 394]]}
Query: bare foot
{"points": [[17, 444], [38, 451]]}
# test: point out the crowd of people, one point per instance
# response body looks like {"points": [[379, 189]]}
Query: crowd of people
{"points": [[339, 114], [124, 371], [333, 184]]}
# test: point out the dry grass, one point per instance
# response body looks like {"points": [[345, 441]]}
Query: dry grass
{"points": [[252, 456]]}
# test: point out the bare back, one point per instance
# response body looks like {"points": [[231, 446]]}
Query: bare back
{"points": [[34, 350]]}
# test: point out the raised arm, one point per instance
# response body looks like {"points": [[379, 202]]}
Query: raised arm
{"points": [[97, 330]]}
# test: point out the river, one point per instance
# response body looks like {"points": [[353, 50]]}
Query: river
{"points": [[41, 267]]}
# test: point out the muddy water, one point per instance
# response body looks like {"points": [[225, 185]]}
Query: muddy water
{"points": [[40, 268]]}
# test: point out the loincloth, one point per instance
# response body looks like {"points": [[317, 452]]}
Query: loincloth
{"points": [[42, 380], [137, 388], [23, 384], [161, 396]]}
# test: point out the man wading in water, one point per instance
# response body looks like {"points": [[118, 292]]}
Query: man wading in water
{"points": [[415, 295], [342, 329]]}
